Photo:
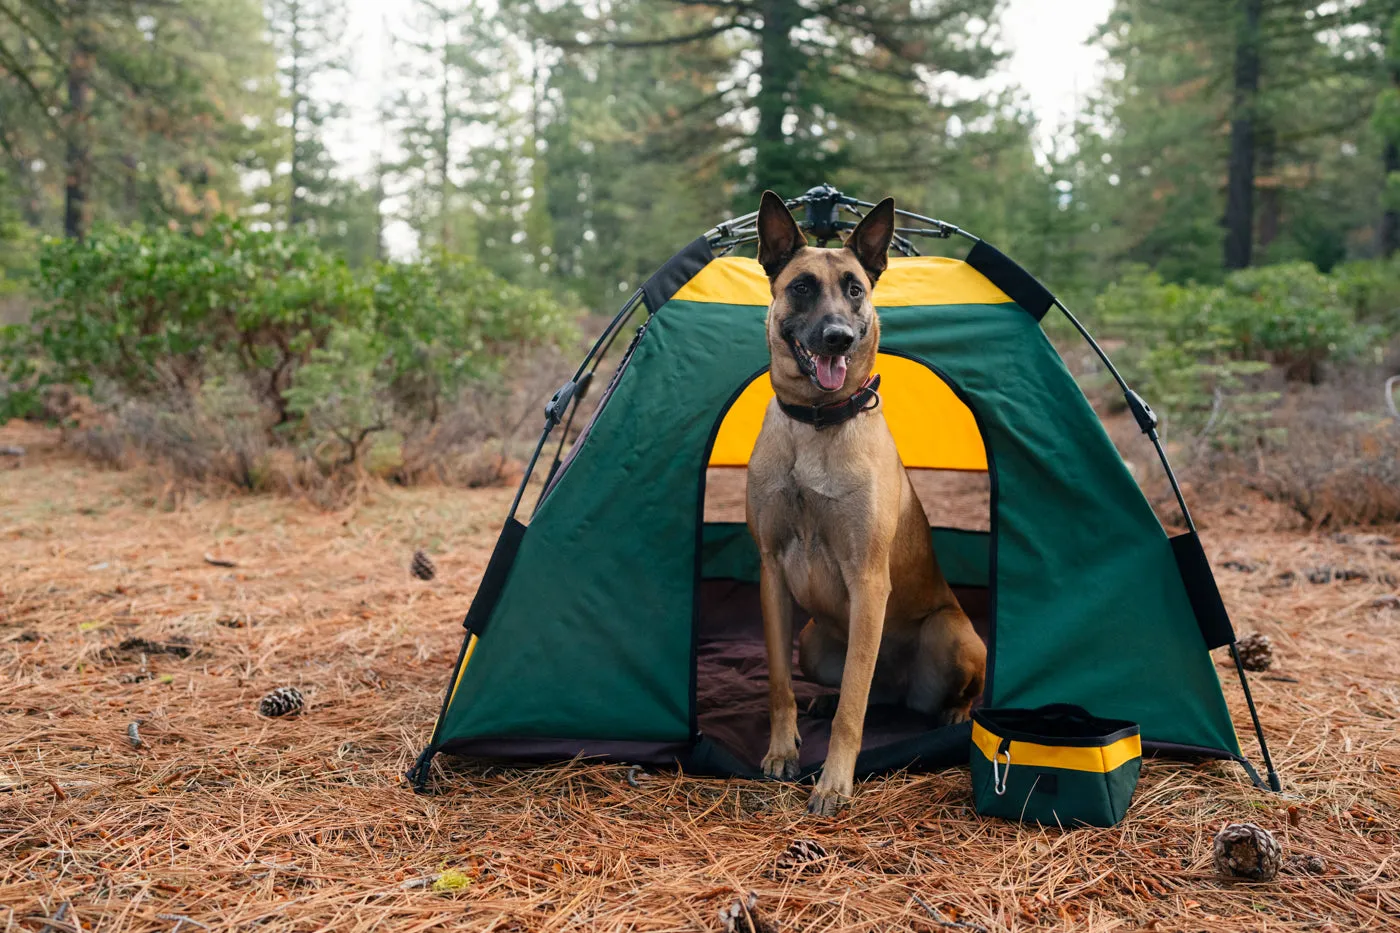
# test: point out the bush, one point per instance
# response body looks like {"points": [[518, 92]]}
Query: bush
{"points": [[1289, 315], [334, 364], [1200, 353], [152, 310], [1180, 356], [449, 322], [1335, 468], [1371, 288]]}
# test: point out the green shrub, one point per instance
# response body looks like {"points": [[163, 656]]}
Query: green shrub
{"points": [[340, 396], [448, 322], [156, 311], [1371, 288], [1289, 315], [1179, 354], [150, 310]]}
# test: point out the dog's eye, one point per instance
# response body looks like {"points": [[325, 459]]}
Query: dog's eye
{"points": [[855, 290], [801, 288]]}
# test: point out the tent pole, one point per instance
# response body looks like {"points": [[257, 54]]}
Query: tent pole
{"points": [[1274, 784], [530, 468]]}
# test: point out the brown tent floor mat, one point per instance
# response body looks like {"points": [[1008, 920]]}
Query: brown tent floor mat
{"points": [[732, 681]]}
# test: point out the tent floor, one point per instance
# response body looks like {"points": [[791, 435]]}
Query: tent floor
{"points": [[732, 696]]}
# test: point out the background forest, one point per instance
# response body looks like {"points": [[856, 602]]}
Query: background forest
{"points": [[189, 275]]}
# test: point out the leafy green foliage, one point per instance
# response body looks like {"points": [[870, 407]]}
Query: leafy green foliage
{"points": [[331, 353], [1289, 315], [1371, 288], [449, 322], [1180, 358], [339, 393], [150, 309], [1197, 351]]}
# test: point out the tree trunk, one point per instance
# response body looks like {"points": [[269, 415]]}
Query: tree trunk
{"points": [[777, 75], [295, 214], [1239, 199], [1270, 187], [444, 143], [77, 214]]}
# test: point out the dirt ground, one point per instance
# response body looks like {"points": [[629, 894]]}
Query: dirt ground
{"points": [[111, 613]]}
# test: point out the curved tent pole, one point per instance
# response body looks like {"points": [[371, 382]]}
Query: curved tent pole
{"points": [[566, 399]]}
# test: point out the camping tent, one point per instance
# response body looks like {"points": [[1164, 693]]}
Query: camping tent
{"points": [[623, 621]]}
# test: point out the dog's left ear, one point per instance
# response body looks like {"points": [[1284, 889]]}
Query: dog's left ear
{"points": [[870, 240], [779, 237]]}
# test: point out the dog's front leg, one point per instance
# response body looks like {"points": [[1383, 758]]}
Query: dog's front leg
{"points": [[783, 739], [868, 598]]}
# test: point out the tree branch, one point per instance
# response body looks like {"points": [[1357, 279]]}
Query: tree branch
{"points": [[660, 42]]}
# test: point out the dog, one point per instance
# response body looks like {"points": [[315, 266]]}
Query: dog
{"points": [[835, 517]]}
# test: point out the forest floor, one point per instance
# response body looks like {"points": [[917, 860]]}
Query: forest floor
{"points": [[111, 613]]}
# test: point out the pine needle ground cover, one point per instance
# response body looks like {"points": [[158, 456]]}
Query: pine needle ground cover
{"points": [[116, 609]]}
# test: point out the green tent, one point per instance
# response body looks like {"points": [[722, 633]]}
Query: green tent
{"points": [[623, 621]]}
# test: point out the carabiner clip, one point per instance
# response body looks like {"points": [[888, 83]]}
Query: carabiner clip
{"points": [[999, 775]]}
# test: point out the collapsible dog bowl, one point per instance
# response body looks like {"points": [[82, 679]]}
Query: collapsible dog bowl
{"points": [[1056, 765]]}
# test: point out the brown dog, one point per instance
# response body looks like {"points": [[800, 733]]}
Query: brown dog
{"points": [[837, 523]]}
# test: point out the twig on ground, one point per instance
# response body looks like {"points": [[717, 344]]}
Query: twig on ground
{"points": [[181, 920], [218, 561]]}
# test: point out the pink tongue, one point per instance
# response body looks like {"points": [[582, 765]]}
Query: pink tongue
{"points": [[831, 372]]}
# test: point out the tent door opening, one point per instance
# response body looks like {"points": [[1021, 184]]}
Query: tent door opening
{"points": [[947, 463]]}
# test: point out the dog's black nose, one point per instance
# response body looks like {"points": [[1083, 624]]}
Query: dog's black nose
{"points": [[837, 338]]}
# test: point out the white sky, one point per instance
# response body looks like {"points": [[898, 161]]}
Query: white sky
{"points": [[1050, 59]]}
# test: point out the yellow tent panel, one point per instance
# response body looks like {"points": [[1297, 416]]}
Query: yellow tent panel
{"points": [[908, 281], [932, 427]]}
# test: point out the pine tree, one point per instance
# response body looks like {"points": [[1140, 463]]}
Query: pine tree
{"points": [[813, 78], [438, 111], [309, 35], [128, 109]]}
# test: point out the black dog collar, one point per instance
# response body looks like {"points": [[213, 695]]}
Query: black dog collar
{"points": [[826, 416]]}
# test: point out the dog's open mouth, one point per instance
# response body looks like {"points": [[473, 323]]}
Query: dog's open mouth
{"points": [[827, 372]]}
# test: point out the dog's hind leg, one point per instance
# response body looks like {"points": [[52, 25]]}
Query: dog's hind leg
{"points": [[949, 668], [783, 739], [868, 600]]}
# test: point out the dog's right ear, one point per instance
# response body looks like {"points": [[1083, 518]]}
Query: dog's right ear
{"points": [[779, 237]]}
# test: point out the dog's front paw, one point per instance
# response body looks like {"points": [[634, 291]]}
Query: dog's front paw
{"points": [[829, 796], [952, 715], [781, 766]]}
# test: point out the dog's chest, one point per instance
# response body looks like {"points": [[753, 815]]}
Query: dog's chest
{"points": [[803, 495]]}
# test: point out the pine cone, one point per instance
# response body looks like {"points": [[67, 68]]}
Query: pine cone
{"points": [[741, 916], [281, 702], [1243, 850], [800, 854], [1256, 652], [1306, 864], [422, 566]]}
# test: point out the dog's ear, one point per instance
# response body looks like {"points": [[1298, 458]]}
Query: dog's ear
{"points": [[779, 237], [870, 240]]}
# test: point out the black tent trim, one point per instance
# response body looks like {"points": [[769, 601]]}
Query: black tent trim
{"points": [[675, 272]]}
